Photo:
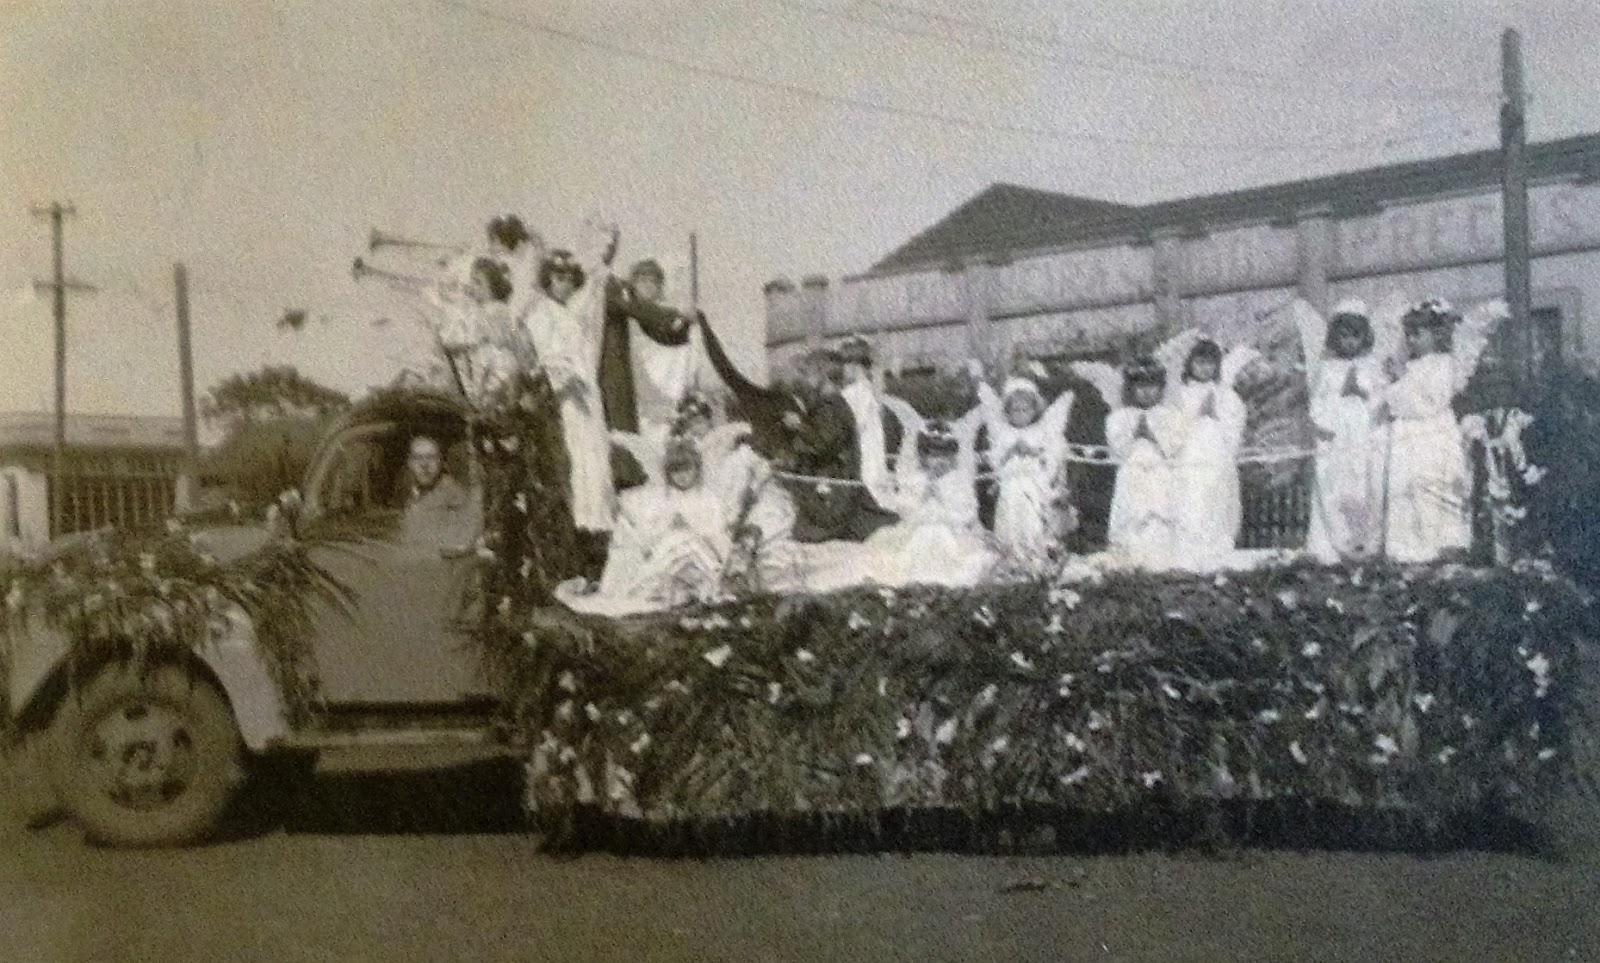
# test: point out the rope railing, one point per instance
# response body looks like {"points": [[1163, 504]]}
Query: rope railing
{"points": [[1082, 454]]}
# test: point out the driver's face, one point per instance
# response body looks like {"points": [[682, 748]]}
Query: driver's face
{"points": [[425, 462]]}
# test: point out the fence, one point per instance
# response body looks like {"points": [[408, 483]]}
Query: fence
{"points": [[126, 493]]}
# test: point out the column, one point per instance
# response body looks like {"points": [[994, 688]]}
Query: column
{"points": [[1168, 269], [1314, 252]]}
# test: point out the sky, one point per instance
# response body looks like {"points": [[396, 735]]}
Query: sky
{"points": [[259, 141]]}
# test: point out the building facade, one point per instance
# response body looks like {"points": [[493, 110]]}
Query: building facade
{"points": [[119, 472], [1015, 268]]}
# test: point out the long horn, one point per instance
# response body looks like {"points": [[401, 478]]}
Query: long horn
{"points": [[361, 270], [378, 240]]}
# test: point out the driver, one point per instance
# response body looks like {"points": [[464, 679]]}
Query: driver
{"points": [[439, 511]]}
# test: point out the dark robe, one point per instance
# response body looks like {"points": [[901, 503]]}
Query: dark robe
{"points": [[826, 446], [762, 408], [660, 324]]}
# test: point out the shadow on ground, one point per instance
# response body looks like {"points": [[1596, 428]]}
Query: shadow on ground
{"points": [[483, 796]]}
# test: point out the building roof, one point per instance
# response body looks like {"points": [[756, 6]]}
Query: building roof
{"points": [[34, 430], [1005, 219]]}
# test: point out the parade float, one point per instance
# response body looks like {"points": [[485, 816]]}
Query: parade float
{"points": [[145, 668]]}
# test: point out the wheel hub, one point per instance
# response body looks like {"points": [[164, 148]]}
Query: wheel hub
{"points": [[144, 753]]}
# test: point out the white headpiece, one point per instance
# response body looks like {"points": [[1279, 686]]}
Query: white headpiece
{"points": [[1016, 383], [1354, 306]]}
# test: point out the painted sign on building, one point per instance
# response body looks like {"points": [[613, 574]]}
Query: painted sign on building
{"points": [[1562, 217]]}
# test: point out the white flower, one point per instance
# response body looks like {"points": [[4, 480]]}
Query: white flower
{"points": [[1075, 776], [1150, 778], [567, 682], [1334, 605], [1296, 753], [804, 656], [984, 616], [1269, 716], [1021, 661], [946, 732], [14, 597], [1311, 650], [1445, 755], [1539, 665], [1424, 701], [1532, 475], [1386, 745], [1171, 690], [1288, 598], [986, 698], [564, 711], [1096, 721], [863, 758], [1054, 626], [1065, 597], [1533, 606], [887, 594], [1064, 684], [592, 711], [883, 686], [1220, 581], [1000, 744], [1315, 712], [147, 562], [1545, 755], [774, 692], [745, 622], [521, 501], [719, 656], [1074, 743], [902, 729]]}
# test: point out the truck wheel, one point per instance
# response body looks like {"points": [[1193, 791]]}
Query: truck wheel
{"points": [[147, 758]]}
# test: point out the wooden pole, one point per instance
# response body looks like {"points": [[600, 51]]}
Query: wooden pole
{"points": [[694, 272], [188, 476], [57, 212], [1514, 187]]}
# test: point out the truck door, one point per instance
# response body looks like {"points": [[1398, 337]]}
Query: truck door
{"points": [[407, 639]]}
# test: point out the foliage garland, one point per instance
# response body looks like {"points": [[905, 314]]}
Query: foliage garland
{"points": [[145, 594], [1435, 691]]}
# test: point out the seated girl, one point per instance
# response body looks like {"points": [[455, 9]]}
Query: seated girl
{"points": [[669, 547], [939, 539]]}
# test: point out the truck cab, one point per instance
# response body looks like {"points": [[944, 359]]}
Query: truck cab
{"points": [[153, 752]]}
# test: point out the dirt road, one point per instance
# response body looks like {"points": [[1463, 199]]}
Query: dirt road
{"points": [[429, 866]]}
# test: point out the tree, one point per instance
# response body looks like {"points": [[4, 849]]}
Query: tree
{"points": [[273, 392], [273, 418]]}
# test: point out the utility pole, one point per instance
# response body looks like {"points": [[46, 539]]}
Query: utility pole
{"points": [[57, 212], [188, 477], [1514, 188], [694, 272]]}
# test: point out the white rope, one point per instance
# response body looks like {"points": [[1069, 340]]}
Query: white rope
{"points": [[1083, 455]]}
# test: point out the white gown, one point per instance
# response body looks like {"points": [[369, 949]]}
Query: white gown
{"points": [[1142, 530], [1347, 492], [867, 411], [1206, 509], [668, 548], [1429, 483], [567, 339], [1027, 462]]}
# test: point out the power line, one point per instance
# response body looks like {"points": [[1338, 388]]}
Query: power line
{"points": [[1170, 67], [952, 120]]}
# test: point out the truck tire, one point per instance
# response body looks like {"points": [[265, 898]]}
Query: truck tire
{"points": [[146, 757]]}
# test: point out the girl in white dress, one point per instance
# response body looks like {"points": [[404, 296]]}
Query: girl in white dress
{"points": [[1027, 449], [1144, 436], [564, 327], [669, 546], [939, 539], [1206, 509], [1347, 382], [1430, 484]]}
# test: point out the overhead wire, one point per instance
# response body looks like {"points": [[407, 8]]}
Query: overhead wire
{"points": [[1251, 147], [1167, 66]]}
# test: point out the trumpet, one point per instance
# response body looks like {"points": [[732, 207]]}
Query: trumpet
{"points": [[361, 270], [378, 240]]}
